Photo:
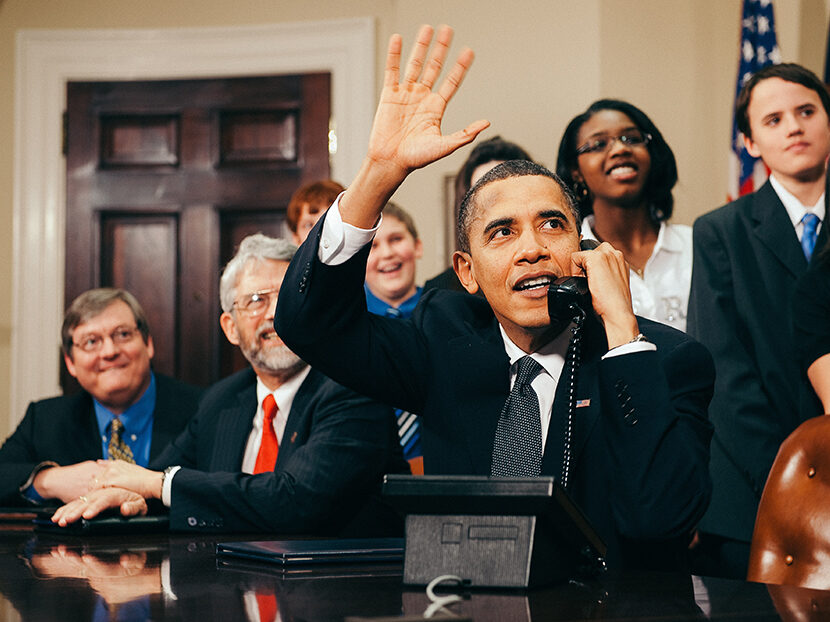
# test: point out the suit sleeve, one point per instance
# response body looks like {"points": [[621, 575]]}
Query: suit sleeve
{"points": [[811, 310], [321, 315], [18, 458], [654, 409], [740, 409], [323, 484]]}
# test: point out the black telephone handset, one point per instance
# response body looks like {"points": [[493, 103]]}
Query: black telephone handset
{"points": [[567, 291], [569, 301]]}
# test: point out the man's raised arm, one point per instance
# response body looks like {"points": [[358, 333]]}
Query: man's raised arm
{"points": [[406, 133]]}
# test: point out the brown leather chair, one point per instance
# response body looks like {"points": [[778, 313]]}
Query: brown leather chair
{"points": [[791, 542]]}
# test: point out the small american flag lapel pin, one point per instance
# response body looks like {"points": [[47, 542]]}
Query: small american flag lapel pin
{"points": [[294, 437], [583, 403]]}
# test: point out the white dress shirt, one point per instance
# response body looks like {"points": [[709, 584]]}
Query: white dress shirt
{"points": [[284, 397], [662, 292]]}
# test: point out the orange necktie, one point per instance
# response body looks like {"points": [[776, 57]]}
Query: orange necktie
{"points": [[268, 446]]}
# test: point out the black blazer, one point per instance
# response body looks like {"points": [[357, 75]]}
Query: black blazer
{"points": [[641, 442], [335, 449], [64, 430], [747, 259]]}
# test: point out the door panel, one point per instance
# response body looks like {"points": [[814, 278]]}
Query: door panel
{"points": [[164, 178]]}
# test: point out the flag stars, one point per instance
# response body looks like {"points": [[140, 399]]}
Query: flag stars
{"points": [[749, 53], [763, 25]]}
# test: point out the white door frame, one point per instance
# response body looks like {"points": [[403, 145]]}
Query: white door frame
{"points": [[47, 59]]}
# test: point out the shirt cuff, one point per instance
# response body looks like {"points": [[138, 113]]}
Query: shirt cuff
{"points": [[28, 489], [167, 487], [340, 241], [630, 348]]}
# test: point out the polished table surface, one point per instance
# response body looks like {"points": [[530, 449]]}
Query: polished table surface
{"points": [[176, 577]]}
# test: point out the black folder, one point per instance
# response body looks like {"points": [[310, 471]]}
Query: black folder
{"points": [[290, 553], [105, 525]]}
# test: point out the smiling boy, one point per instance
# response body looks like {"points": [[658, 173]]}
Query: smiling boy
{"points": [[390, 269], [747, 258]]}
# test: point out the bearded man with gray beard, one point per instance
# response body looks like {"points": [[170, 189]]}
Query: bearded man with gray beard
{"points": [[277, 447]]}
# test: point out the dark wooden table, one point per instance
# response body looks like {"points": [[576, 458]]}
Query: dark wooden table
{"points": [[176, 577]]}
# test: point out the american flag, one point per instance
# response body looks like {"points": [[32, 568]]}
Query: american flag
{"points": [[759, 48]]}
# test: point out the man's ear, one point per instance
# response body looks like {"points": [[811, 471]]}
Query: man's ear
{"points": [[70, 365], [751, 147], [151, 349], [228, 325], [419, 248], [462, 263]]}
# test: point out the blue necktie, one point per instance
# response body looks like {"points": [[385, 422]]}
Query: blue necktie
{"points": [[808, 235]]}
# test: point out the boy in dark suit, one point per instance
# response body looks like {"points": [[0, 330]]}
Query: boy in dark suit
{"points": [[486, 374], [277, 447], [747, 257]]}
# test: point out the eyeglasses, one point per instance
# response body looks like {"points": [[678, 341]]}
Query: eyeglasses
{"points": [[256, 303], [601, 144], [93, 342]]}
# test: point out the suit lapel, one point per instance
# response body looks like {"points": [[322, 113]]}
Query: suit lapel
{"points": [[295, 433], [821, 240], [772, 226], [233, 427], [85, 435], [485, 384], [588, 403]]}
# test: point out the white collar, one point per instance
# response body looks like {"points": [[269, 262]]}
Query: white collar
{"points": [[550, 356], [284, 394], [667, 239], [795, 209]]}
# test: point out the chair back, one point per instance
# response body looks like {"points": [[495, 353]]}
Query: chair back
{"points": [[791, 541]]}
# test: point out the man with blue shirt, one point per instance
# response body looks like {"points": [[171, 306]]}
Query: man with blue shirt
{"points": [[125, 411]]}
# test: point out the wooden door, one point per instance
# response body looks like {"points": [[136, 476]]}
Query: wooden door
{"points": [[164, 178]]}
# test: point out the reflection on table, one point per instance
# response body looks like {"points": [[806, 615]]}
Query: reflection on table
{"points": [[159, 577]]}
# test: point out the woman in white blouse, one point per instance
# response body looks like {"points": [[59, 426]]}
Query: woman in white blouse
{"points": [[622, 172]]}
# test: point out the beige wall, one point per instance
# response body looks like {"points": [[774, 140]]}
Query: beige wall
{"points": [[539, 62]]}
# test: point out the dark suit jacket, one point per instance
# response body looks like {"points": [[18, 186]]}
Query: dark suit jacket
{"points": [[639, 468], [64, 430], [747, 259], [335, 449]]}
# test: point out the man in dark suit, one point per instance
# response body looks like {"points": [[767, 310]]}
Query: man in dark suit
{"points": [[108, 348], [638, 440], [315, 467], [747, 258]]}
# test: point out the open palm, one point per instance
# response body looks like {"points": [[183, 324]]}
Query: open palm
{"points": [[407, 126]]}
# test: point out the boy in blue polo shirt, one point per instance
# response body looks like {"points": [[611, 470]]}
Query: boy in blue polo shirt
{"points": [[391, 291]]}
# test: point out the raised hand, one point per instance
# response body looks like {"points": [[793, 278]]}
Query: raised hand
{"points": [[407, 126], [406, 133]]}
